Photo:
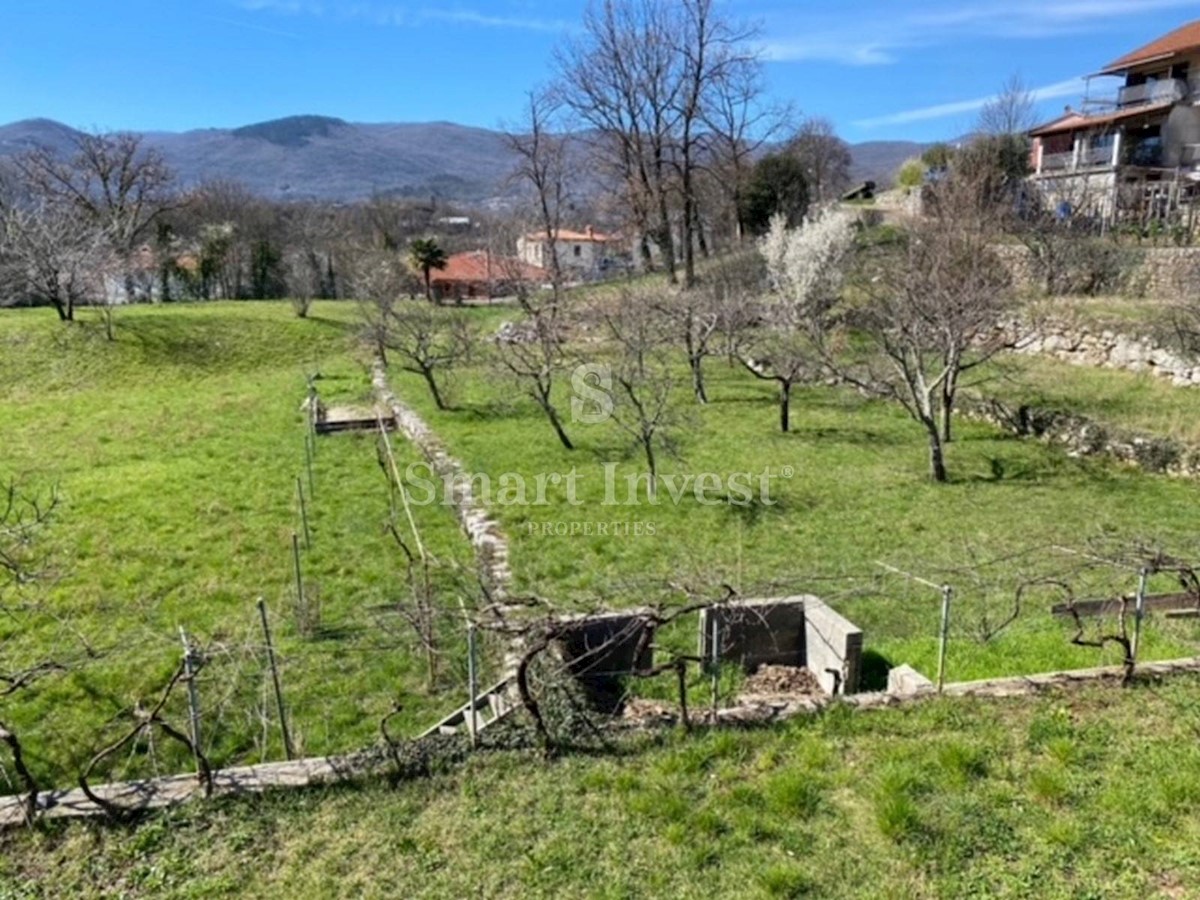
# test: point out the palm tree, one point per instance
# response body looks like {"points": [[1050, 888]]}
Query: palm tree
{"points": [[425, 255]]}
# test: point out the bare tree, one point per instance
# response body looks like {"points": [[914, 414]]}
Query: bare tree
{"points": [[693, 318], [649, 78], [738, 125], [644, 383], [379, 279], [308, 258], [541, 154], [1013, 111], [622, 79], [428, 342], [534, 352], [111, 182], [932, 309], [302, 281], [735, 282], [928, 307], [51, 257], [825, 159], [780, 352], [715, 53], [22, 517]]}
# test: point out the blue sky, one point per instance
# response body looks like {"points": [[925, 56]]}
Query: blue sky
{"points": [[879, 69]]}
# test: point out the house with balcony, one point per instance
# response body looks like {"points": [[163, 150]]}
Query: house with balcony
{"points": [[1132, 156]]}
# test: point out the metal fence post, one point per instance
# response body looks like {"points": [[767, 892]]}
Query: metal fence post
{"points": [[309, 452], [715, 641], [472, 686], [944, 636], [283, 725], [303, 514], [189, 673], [1139, 612]]}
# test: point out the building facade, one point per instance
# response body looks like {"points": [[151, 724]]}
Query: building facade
{"points": [[1133, 155], [582, 255]]}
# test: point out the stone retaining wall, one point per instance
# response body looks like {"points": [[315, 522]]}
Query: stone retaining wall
{"points": [[172, 790], [485, 535], [1082, 436], [1102, 348], [1163, 273]]}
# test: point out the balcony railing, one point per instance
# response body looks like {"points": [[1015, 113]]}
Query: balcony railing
{"points": [[1089, 158], [1057, 162], [1146, 154], [1169, 90], [1096, 156]]}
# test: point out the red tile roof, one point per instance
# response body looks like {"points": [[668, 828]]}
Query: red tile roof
{"points": [[1178, 41], [1075, 121], [482, 266]]}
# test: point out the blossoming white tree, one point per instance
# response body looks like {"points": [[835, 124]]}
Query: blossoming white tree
{"points": [[926, 304], [806, 268]]}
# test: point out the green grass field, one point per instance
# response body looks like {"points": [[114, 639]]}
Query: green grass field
{"points": [[175, 450], [857, 495], [1137, 402], [1085, 795]]}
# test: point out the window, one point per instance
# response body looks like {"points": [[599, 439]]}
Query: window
{"points": [[578, 251]]}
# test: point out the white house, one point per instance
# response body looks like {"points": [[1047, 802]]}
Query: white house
{"points": [[581, 254]]}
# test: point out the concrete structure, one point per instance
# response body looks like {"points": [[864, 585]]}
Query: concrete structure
{"points": [[905, 681], [600, 651], [790, 631], [581, 254], [1134, 156]]}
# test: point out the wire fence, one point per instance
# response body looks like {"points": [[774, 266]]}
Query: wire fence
{"points": [[279, 679]]}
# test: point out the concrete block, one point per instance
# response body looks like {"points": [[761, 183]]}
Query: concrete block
{"points": [[755, 633], [789, 631], [601, 651], [833, 648], [905, 681]]}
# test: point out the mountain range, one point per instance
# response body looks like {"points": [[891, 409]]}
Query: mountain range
{"points": [[324, 158]]}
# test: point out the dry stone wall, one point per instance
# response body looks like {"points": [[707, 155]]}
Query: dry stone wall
{"points": [[1161, 273], [1103, 348], [485, 535], [1081, 437]]}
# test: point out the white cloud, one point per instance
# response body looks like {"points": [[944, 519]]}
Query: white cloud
{"points": [[831, 51], [485, 20], [877, 39], [1073, 87], [289, 7], [403, 15]]}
